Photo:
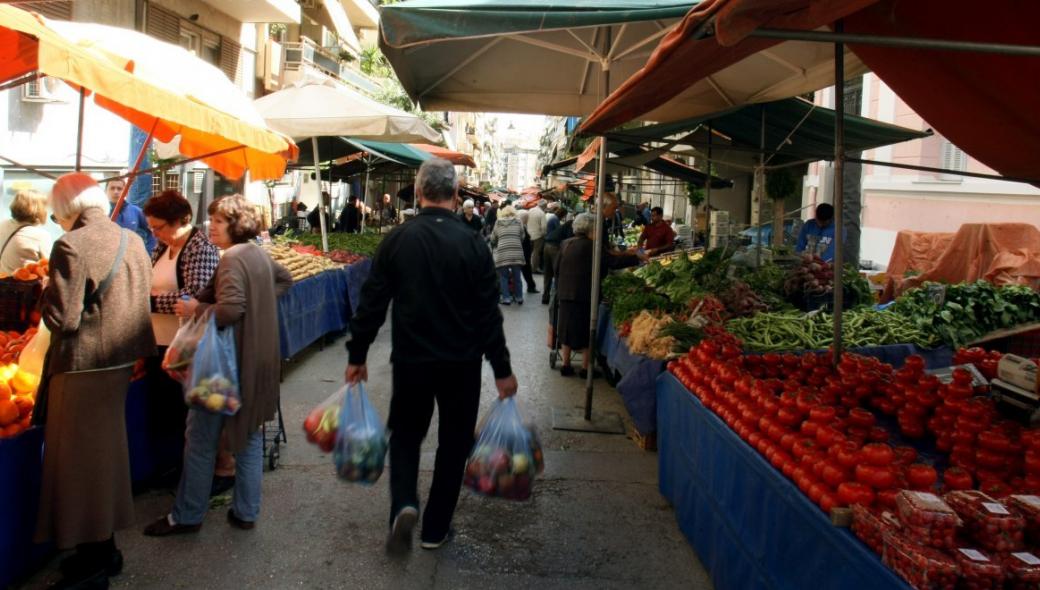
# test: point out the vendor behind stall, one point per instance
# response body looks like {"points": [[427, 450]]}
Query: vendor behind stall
{"points": [[658, 237], [817, 235], [23, 237]]}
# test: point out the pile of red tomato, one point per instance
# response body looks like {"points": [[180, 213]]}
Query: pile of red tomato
{"points": [[811, 421]]}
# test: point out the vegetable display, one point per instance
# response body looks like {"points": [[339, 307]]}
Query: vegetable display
{"points": [[791, 331], [364, 244], [961, 313], [299, 264]]}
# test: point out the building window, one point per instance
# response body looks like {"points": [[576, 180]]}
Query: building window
{"points": [[953, 158]]}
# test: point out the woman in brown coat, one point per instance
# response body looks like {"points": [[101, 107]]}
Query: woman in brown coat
{"points": [[244, 297], [96, 307]]}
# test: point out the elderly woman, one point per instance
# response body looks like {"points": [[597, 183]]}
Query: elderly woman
{"points": [[574, 293], [182, 266], [243, 297], [470, 217], [24, 240], [96, 307], [508, 241]]}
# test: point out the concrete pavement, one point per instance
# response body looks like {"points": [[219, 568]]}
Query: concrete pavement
{"points": [[596, 520]]}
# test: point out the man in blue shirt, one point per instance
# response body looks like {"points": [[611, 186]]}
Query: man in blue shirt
{"points": [[817, 235], [130, 216]]}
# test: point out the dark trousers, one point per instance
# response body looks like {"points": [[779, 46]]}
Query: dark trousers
{"points": [[548, 269], [456, 389]]}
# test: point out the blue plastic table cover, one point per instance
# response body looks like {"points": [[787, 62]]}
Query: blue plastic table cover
{"points": [[312, 308], [357, 274], [750, 526], [138, 439], [639, 375], [21, 470]]}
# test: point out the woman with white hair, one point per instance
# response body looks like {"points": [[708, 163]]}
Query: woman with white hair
{"points": [[574, 293], [469, 216], [96, 306], [508, 241]]}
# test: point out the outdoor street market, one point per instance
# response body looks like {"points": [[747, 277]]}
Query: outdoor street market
{"points": [[757, 284]]}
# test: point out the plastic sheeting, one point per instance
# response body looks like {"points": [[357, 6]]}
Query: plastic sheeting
{"points": [[1001, 253], [639, 375], [21, 470], [750, 527]]}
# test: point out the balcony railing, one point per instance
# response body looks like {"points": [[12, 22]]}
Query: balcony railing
{"points": [[308, 52]]}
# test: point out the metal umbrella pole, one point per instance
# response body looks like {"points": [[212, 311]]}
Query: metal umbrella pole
{"points": [[609, 423], [707, 201], [321, 200], [839, 190]]}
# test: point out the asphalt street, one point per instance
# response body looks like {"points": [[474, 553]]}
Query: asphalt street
{"points": [[596, 519]]}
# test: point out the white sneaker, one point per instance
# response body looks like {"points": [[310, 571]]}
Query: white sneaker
{"points": [[400, 539], [431, 545]]}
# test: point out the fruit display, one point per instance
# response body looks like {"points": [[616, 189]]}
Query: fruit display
{"points": [[1029, 507], [17, 399], [12, 344], [924, 568], [927, 519], [32, 271], [300, 265], [1021, 571], [870, 526], [506, 458], [344, 257], [814, 276], [990, 523], [979, 570], [359, 452], [216, 394]]}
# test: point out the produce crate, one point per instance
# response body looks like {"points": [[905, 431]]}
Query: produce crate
{"points": [[18, 300]]}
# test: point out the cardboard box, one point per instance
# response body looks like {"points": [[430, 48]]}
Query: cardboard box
{"points": [[1018, 371]]}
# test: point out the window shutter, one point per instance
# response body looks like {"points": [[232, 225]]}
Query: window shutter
{"points": [[953, 158], [229, 57], [163, 24], [57, 10]]}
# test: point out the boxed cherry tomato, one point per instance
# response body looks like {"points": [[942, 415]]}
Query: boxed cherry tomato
{"points": [[990, 523], [927, 519], [1022, 571], [1029, 508], [922, 567], [871, 525], [978, 570]]}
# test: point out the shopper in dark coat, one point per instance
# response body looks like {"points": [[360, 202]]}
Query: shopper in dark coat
{"points": [[425, 267], [96, 308], [574, 293], [350, 218]]}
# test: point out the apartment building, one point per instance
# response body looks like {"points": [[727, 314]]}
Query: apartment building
{"points": [[898, 199]]}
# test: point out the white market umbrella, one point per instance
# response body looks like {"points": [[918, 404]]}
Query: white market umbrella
{"points": [[325, 108]]}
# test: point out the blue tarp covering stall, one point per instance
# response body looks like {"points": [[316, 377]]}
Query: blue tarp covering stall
{"points": [[639, 374], [319, 305], [750, 526], [21, 463]]}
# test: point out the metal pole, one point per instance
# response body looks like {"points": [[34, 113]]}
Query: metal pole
{"points": [[936, 170], [364, 196], [321, 200], [133, 172], [707, 200], [79, 130], [760, 181], [597, 248], [839, 190], [901, 42]]}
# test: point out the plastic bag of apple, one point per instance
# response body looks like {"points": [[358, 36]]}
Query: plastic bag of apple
{"points": [[322, 423], [507, 456], [360, 448], [213, 385]]}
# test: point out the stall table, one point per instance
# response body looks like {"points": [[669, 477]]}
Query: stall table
{"points": [[21, 459], [319, 305], [750, 526], [638, 375]]}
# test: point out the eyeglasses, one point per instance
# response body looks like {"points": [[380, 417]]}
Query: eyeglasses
{"points": [[158, 228], [54, 219]]}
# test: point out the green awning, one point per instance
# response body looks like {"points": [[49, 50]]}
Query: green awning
{"points": [[796, 130], [521, 56], [401, 153]]}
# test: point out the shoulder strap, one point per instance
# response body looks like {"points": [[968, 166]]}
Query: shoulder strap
{"points": [[8, 240], [106, 282]]}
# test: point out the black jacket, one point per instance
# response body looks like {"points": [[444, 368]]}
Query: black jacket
{"points": [[350, 219], [441, 278], [477, 223]]}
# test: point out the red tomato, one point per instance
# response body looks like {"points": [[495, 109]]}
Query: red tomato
{"points": [[822, 414], [887, 498], [810, 428], [957, 478], [921, 476], [828, 436], [847, 454], [861, 417], [851, 492], [876, 476], [832, 474], [878, 434], [877, 454], [905, 455]]}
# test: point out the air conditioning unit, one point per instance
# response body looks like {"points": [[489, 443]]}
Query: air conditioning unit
{"points": [[42, 89]]}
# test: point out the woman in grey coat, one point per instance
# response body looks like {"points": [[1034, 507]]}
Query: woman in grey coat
{"points": [[508, 241]]}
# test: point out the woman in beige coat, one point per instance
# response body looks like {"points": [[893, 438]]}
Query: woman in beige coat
{"points": [[96, 307], [244, 297]]}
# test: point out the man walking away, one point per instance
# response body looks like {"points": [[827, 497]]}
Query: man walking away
{"points": [[536, 228], [425, 267]]}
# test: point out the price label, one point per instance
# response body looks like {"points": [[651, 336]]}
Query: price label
{"points": [[974, 555], [1033, 501], [995, 508], [1027, 558], [926, 497]]}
